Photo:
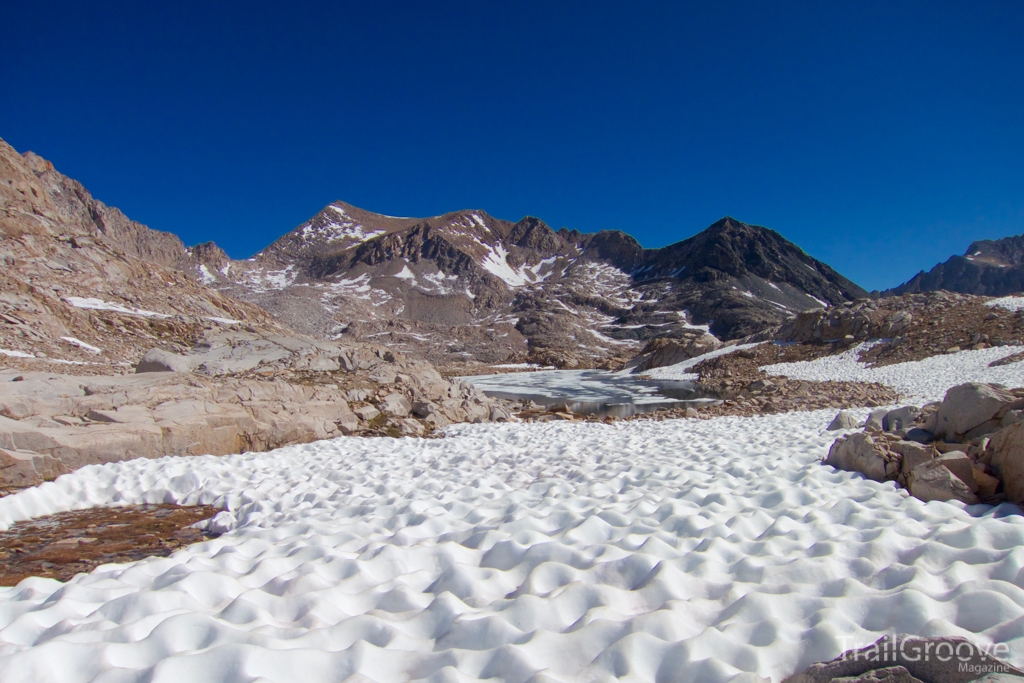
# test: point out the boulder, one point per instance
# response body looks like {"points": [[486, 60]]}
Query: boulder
{"points": [[891, 674], [366, 413], [967, 406], [962, 466], [843, 420], [1011, 417], [409, 426], [499, 414], [919, 435], [900, 418], [876, 420], [860, 453], [933, 481], [985, 428], [913, 453], [395, 404], [987, 484], [347, 423], [157, 360], [1007, 449], [424, 408]]}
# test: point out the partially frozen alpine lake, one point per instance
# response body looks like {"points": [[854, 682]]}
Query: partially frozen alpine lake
{"points": [[591, 392], [681, 550]]}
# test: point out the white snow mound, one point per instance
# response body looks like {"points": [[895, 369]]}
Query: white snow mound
{"points": [[683, 550]]}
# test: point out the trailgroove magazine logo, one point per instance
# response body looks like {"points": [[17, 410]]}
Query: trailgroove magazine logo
{"points": [[895, 650]]}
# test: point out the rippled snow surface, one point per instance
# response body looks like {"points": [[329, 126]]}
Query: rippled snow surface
{"points": [[682, 550]]}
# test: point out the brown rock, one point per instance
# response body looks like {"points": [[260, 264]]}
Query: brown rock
{"points": [[967, 406], [933, 481], [1007, 457], [859, 453]]}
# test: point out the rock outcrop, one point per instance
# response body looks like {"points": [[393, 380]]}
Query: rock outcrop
{"points": [[234, 392], [989, 267], [87, 295], [969, 447], [467, 287]]}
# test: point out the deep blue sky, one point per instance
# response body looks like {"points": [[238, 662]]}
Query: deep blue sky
{"points": [[881, 137]]}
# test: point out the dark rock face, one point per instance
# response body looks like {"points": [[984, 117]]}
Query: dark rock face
{"points": [[990, 268]]}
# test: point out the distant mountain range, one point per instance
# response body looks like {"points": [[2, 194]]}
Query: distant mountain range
{"points": [[989, 268], [468, 285], [466, 288]]}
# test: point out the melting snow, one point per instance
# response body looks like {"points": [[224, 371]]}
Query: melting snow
{"points": [[16, 354], [1012, 303], [205, 275], [82, 345], [101, 305], [697, 551]]}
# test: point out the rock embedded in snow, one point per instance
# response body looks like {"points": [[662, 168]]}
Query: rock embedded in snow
{"points": [[967, 406], [962, 466], [934, 481], [843, 420], [900, 418], [861, 453], [913, 453], [876, 420], [1007, 449]]}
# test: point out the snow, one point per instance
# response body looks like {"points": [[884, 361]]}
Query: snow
{"points": [[680, 371], [696, 551], [917, 381], [824, 304], [609, 340], [685, 550], [405, 274], [224, 321], [82, 345], [16, 354], [206, 276], [101, 305], [344, 229], [1012, 303], [496, 264]]}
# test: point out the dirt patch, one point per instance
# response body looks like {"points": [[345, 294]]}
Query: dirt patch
{"points": [[68, 543]]}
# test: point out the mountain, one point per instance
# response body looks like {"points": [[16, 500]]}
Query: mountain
{"points": [[466, 287], [989, 267], [459, 289], [84, 287]]}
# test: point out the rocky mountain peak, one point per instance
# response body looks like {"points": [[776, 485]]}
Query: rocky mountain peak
{"points": [[989, 267]]}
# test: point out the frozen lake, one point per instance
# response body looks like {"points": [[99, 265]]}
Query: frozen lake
{"points": [[591, 392]]}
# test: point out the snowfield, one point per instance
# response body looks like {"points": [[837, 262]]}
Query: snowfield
{"points": [[918, 381], [683, 550]]}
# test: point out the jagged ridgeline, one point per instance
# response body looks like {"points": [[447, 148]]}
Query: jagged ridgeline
{"points": [[468, 287], [459, 289]]}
